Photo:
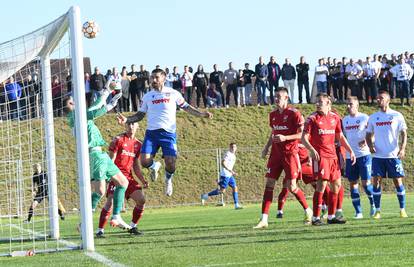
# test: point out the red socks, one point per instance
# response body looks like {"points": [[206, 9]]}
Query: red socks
{"points": [[267, 200], [103, 219], [317, 203], [333, 201], [137, 214], [300, 196], [282, 198], [340, 198]]}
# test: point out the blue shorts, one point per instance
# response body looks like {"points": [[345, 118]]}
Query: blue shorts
{"points": [[362, 167], [154, 139], [391, 168], [227, 181]]}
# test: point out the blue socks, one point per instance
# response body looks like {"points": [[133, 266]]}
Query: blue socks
{"points": [[236, 198], [369, 191], [214, 193], [356, 200], [401, 195], [377, 197]]}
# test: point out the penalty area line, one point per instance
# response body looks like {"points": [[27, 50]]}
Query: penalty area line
{"points": [[94, 255]]}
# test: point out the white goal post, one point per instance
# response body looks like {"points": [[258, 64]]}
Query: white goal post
{"points": [[27, 133]]}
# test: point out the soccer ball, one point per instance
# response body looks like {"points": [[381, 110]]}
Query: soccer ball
{"points": [[90, 29], [115, 85]]}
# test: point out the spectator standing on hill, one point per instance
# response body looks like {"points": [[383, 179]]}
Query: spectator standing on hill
{"points": [[321, 77], [187, 84], [125, 82], [274, 73], [175, 78], [403, 72], [88, 91], [134, 86], [97, 83], [230, 80], [302, 70], [248, 83], [262, 72], [216, 77], [57, 89], [354, 72], [241, 94], [289, 77], [201, 83], [337, 84]]}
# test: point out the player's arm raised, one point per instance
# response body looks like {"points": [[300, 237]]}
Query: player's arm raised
{"points": [[137, 170], [193, 111], [401, 152], [131, 119]]}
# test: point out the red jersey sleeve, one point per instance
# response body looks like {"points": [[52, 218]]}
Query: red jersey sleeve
{"points": [[308, 125], [338, 128], [299, 120], [113, 147]]}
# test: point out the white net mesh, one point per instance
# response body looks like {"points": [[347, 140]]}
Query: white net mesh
{"points": [[24, 227]]}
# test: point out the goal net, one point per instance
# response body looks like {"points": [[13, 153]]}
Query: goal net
{"points": [[37, 71]]}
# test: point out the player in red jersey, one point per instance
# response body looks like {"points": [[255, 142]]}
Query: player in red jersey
{"points": [[321, 130], [287, 124], [125, 152], [307, 177]]}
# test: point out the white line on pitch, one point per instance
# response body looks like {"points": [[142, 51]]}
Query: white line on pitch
{"points": [[94, 255]]}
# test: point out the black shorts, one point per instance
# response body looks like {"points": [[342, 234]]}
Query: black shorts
{"points": [[40, 196]]}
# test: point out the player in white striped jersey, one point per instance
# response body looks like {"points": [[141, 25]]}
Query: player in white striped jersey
{"points": [[354, 127]]}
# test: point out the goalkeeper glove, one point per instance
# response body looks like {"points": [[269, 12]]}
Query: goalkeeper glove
{"points": [[113, 102]]}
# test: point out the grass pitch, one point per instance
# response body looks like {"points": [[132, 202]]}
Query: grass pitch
{"points": [[222, 236]]}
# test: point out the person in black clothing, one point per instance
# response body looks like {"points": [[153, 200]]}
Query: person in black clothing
{"points": [[216, 77], [302, 70], [133, 86], [248, 83], [40, 184], [97, 82], [273, 77], [337, 81], [200, 82], [176, 81], [142, 82]]}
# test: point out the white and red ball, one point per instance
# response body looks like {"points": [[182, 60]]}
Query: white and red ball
{"points": [[90, 29]]}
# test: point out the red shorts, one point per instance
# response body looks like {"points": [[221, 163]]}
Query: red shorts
{"points": [[307, 174], [327, 169], [289, 163], [132, 187]]}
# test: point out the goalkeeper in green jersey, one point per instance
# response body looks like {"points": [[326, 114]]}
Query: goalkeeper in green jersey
{"points": [[102, 168]]}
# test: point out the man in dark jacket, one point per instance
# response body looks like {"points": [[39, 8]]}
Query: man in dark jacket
{"points": [[273, 77], [217, 78], [302, 70], [97, 83]]}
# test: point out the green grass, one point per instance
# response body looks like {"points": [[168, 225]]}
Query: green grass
{"points": [[222, 236]]}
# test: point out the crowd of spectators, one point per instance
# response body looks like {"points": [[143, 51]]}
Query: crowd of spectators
{"points": [[339, 78]]}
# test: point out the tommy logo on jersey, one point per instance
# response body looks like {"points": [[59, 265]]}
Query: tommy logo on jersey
{"points": [[159, 101]]}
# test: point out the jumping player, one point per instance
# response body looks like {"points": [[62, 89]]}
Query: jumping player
{"points": [[124, 151], [287, 124], [160, 106], [319, 134], [102, 167], [226, 177]]}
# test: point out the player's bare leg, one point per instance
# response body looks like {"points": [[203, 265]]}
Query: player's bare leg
{"points": [[333, 202], [147, 161], [169, 173], [300, 196], [267, 201], [317, 201], [139, 199], [376, 180], [399, 187], [121, 183], [98, 190], [281, 199]]}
